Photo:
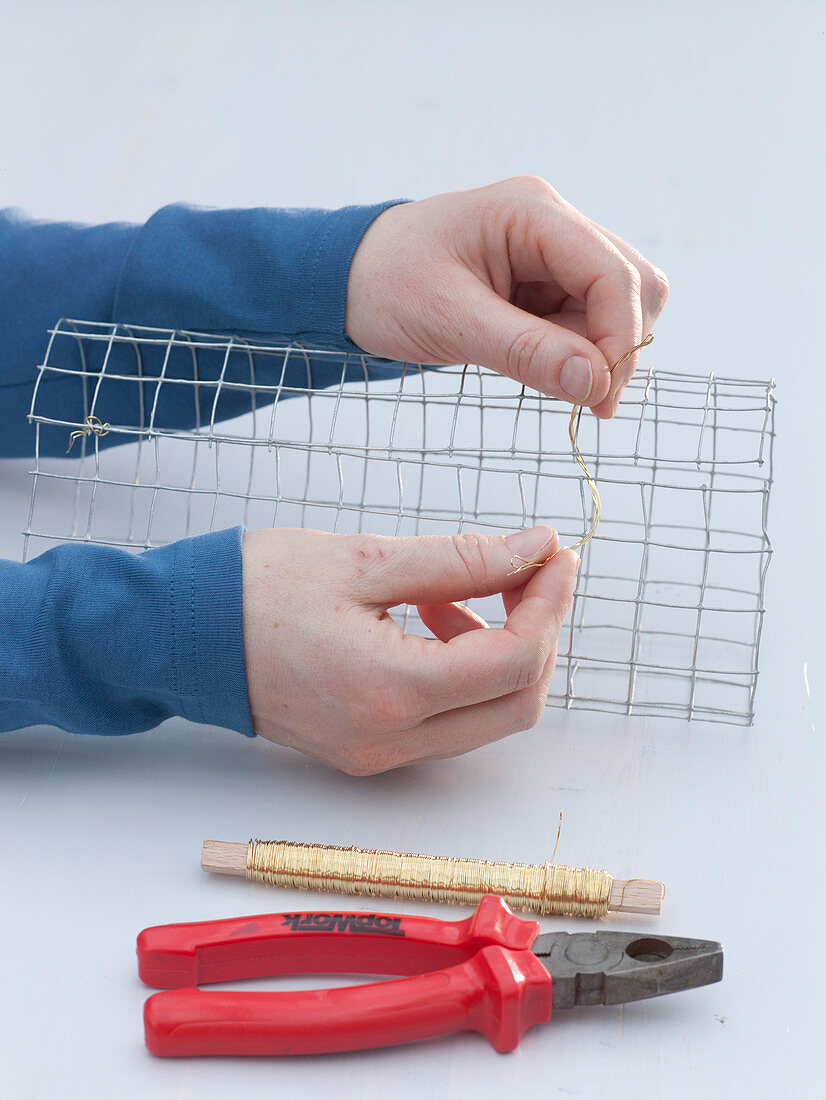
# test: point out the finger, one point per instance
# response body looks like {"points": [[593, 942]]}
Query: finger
{"points": [[575, 320], [546, 599], [454, 732], [479, 665], [534, 351], [447, 734], [585, 263], [547, 301], [512, 598], [654, 292], [433, 569], [568, 250], [449, 620], [654, 287]]}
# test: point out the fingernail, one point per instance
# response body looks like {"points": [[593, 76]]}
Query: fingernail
{"points": [[528, 543], [576, 378]]}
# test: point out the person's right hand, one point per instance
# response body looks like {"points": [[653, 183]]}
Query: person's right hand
{"points": [[509, 276], [330, 673]]}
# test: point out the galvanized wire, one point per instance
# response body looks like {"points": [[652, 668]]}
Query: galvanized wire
{"points": [[670, 599]]}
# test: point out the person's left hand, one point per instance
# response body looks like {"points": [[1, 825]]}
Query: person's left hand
{"points": [[512, 277], [330, 673]]}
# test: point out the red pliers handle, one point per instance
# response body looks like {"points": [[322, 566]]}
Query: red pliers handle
{"points": [[476, 974]]}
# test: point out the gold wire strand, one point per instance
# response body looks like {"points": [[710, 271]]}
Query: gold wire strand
{"points": [[573, 435], [538, 888], [558, 835], [94, 426], [528, 563]]}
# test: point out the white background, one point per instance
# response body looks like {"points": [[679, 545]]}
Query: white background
{"points": [[695, 131]]}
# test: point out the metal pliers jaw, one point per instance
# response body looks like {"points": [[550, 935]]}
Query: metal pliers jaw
{"points": [[491, 973], [612, 968]]}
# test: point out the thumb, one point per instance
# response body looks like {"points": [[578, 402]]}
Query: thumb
{"points": [[534, 352], [437, 569]]}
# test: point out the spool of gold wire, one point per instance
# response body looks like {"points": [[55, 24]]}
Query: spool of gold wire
{"points": [[543, 888]]}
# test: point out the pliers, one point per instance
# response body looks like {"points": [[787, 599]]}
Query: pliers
{"points": [[491, 973]]}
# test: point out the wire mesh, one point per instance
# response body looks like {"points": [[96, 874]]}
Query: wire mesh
{"points": [[215, 431]]}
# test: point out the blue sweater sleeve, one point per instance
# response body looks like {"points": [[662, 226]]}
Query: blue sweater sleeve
{"points": [[265, 273], [98, 640]]}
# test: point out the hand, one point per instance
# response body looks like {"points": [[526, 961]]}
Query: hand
{"points": [[331, 674], [509, 276]]}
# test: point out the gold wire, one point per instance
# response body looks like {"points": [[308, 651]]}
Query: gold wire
{"points": [[573, 434], [558, 835], [94, 426], [539, 888], [656, 881], [529, 563]]}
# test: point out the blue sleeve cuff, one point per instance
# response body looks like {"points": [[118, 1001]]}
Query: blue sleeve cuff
{"points": [[207, 614], [99, 640]]}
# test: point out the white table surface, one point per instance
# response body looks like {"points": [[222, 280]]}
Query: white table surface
{"points": [[695, 132]]}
